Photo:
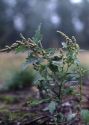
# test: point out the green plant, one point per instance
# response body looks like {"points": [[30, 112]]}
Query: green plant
{"points": [[85, 116], [53, 69], [85, 70], [9, 99], [19, 80]]}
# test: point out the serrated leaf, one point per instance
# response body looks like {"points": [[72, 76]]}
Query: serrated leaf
{"points": [[71, 116], [34, 102], [38, 78], [52, 106], [85, 115], [38, 36]]}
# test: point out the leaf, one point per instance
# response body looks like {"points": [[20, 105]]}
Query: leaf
{"points": [[38, 36], [68, 91], [77, 61], [38, 78], [22, 37], [31, 59], [52, 106], [24, 65], [71, 116], [57, 63], [53, 67], [35, 102], [21, 48], [85, 115]]}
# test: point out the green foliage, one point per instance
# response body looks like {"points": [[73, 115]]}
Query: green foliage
{"points": [[35, 102], [38, 36], [52, 67], [52, 106], [85, 116], [19, 80], [85, 71], [21, 49]]}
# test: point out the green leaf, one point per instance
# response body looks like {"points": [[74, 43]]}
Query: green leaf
{"points": [[57, 63], [38, 78], [31, 59], [85, 115], [38, 36], [52, 106], [53, 67], [71, 116], [21, 48], [35, 102], [77, 61], [68, 91]]}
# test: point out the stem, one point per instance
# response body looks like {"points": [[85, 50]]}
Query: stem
{"points": [[60, 92], [61, 84], [55, 93], [80, 89], [41, 45]]}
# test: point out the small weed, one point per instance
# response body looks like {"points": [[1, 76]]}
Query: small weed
{"points": [[9, 99], [50, 75], [19, 80]]}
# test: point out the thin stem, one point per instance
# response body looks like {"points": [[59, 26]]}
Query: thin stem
{"points": [[60, 92], [61, 84], [80, 89]]}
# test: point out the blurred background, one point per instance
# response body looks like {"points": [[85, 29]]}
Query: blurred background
{"points": [[24, 16]]}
